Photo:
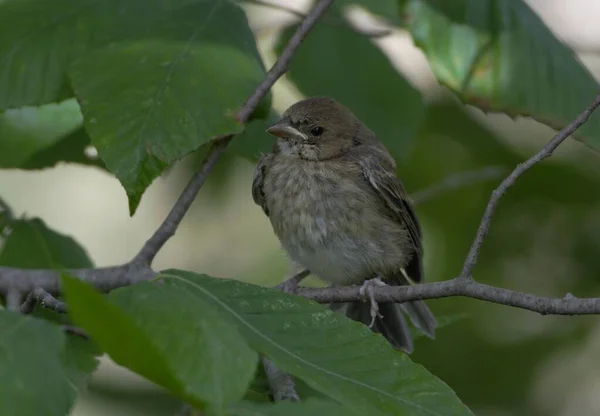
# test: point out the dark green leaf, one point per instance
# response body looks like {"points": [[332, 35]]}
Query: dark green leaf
{"points": [[337, 62], [334, 355], [32, 378], [172, 338], [27, 131], [32, 245], [148, 103], [80, 360], [500, 56], [311, 407], [39, 39]]}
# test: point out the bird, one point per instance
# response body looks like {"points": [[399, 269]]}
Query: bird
{"points": [[330, 190]]}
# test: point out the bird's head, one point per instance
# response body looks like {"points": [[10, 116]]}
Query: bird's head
{"points": [[317, 128]]}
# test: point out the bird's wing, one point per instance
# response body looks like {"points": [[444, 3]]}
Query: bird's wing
{"points": [[380, 171], [258, 193]]}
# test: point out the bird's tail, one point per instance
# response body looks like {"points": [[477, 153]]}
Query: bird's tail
{"points": [[392, 324]]}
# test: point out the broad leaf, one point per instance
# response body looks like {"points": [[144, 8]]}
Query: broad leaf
{"points": [[26, 131], [498, 55], [32, 378], [148, 103], [311, 407], [32, 245], [337, 62], [40, 38], [334, 355], [172, 338], [80, 360]]}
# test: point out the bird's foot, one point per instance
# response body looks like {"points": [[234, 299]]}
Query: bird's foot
{"points": [[367, 287]]}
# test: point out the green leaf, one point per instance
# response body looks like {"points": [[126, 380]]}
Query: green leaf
{"points": [[148, 103], [40, 38], [173, 339], [498, 55], [337, 62], [334, 355], [27, 131], [310, 407], [80, 360], [32, 377], [32, 245]]}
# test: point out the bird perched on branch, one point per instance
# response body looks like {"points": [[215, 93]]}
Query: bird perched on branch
{"points": [[330, 190]]}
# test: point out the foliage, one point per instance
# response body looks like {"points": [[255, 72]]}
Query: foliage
{"points": [[147, 82]]}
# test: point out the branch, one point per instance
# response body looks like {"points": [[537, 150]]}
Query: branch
{"points": [[521, 168], [104, 279], [283, 62], [569, 305], [282, 384], [381, 33], [184, 202], [45, 300], [13, 300]]}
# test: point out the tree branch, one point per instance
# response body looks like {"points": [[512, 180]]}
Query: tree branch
{"points": [[45, 299], [568, 305], [521, 168]]}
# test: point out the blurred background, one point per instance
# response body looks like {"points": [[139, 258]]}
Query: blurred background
{"points": [[544, 238]]}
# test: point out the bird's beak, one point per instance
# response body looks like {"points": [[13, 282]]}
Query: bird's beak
{"points": [[286, 132]]}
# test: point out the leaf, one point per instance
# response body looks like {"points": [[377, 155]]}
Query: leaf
{"points": [[32, 245], [27, 131], [498, 55], [39, 39], [337, 62], [148, 103], [32, 377], [310, 407], [173, 339], [334, 355], [80, 360]]}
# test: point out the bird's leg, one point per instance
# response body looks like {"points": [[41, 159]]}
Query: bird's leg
{"points": [[367, 287]]}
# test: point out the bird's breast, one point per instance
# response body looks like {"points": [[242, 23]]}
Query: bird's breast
{"points": [[328, 219]]}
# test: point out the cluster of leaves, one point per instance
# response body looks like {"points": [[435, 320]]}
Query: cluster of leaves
{"points": [[146, 82]]}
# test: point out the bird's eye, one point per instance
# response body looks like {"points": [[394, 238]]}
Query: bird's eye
{"points": [[316, 131]]}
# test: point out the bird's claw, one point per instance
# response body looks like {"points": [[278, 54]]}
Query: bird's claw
{"points": [[367, 288]]}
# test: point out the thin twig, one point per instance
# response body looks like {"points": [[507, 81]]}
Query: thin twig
{"points": [[457, 181], [290, 284], [44, 299], [284, 60], [521, 168], [75, 330], [282, 384], [184, 202], [568, 305], [378, 34]]}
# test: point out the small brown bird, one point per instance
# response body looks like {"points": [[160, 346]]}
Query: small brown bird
{"points": [[330, 189]]}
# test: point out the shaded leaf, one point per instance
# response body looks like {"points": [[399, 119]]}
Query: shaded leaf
{"points": [[26, 131], [80, 360], [32, 245], [173, 339], [372, 89], [148, 103], [39, 39], [254, 140], [500, 56], [334, 355], [32, 377]]}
